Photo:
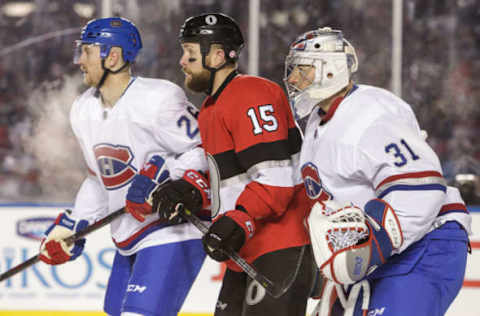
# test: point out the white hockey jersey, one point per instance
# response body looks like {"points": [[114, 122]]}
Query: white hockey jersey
{"points": [[153, 116], [370, 146]]}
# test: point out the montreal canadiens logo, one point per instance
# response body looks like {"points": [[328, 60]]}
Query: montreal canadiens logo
{"points": [[312, 182], [115, 165]]}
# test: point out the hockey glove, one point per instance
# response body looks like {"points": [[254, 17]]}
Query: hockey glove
{"points": [[349, 243], [230, 231], [139, 196], [192, 190], [53, 250]]}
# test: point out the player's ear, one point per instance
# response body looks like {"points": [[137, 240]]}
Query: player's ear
{"points": [[217, 56], [114, 59]]}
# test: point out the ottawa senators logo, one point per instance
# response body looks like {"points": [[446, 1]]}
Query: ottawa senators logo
{"points": [[313, 183], [115, 165]]}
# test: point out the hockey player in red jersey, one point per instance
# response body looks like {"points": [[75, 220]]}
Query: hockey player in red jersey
{"points": [[252, 145]]}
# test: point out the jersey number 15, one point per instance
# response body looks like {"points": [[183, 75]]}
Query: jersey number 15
{"points": [[269, 121]]}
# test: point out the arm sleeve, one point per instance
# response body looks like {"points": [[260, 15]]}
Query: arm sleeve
{"points": [[405, 172], [176, 122], [266, 142], [191, 159], [177, 130], [91, 202]]}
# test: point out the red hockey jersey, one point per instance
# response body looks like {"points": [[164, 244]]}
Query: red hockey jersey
{"points": [[252, 145]]}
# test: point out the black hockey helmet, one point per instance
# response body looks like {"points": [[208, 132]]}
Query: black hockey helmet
{"points": [[213, 28]]}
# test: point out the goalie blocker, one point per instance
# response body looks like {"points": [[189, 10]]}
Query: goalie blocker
{"points": [[349, 243]]}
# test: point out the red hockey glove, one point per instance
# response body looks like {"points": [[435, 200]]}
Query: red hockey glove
{"points": [[230, 231], [139, 196], [53, 250], [192, 190]]}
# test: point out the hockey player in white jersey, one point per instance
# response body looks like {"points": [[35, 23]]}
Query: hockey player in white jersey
{"points": [[387, 232], [135, 134]]}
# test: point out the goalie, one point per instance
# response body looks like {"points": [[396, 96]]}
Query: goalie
{"points": [[397, 242]]}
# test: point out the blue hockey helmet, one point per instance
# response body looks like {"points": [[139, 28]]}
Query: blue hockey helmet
{"points": [[109, 32]]}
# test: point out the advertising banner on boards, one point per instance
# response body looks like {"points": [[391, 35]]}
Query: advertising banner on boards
{"points": [[80, 285]]}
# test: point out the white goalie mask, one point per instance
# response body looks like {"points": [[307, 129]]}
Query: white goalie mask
{"points": [[334, 61]]}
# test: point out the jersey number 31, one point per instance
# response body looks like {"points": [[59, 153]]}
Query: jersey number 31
{"points": [[401, 160]]}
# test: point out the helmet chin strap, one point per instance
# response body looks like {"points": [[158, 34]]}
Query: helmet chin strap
{"points": [[205, 48], [107, 71], [213, 72]]}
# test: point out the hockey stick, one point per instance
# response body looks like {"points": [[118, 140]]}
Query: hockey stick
{"points": [[69, 240], [273, 289]]}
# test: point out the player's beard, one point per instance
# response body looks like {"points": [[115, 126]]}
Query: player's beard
{"points": [[198, 82]]}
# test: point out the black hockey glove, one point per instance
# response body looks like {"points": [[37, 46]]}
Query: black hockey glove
{"points": [[230, 231], [192, 190]]}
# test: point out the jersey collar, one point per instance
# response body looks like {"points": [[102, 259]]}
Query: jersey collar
{"points": [[227, 80], [132, 79], [326, 116]]}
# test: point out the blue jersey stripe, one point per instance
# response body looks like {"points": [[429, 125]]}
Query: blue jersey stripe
{"points": [[404, 187]]}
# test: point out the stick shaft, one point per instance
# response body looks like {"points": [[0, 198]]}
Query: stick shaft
{"points": [[95, 226], [269, 286], [69, 240], [18, 268]]}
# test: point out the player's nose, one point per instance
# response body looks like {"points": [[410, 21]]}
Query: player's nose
{"points": [[183, 61], [293, 78], [79, 59]]}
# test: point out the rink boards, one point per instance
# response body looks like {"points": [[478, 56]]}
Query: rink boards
{"points": [[77, 288]]}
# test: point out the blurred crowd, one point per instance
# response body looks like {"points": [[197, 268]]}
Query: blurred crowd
{"points": [[40, 161]]}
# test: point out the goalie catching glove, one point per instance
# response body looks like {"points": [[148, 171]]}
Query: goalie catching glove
{"points": [[192, 190], [139, 196], [349, 243], [229, 231], [53, 250]]}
